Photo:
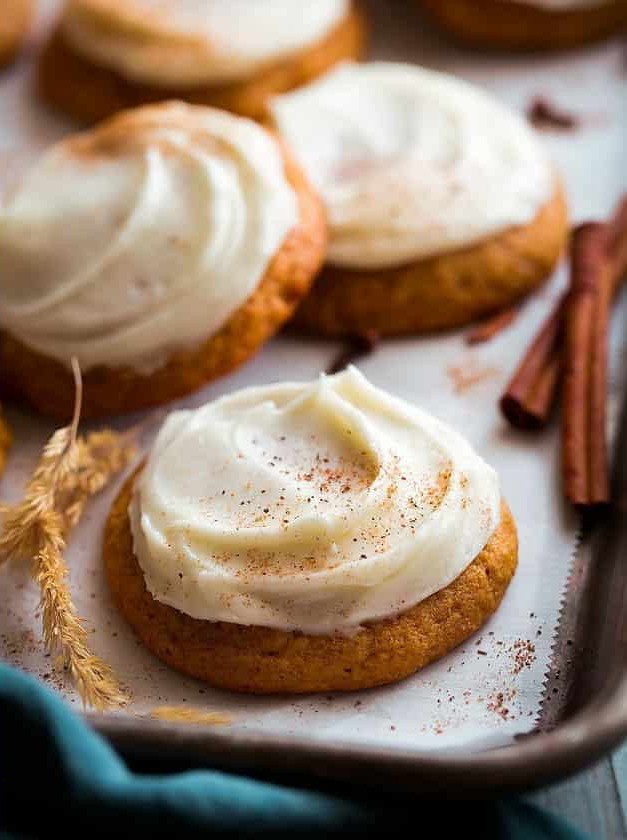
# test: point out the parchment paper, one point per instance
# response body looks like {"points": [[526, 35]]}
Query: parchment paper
{"points": [[490, 689]]}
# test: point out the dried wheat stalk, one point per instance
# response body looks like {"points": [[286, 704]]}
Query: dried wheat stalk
{"points": [[71, 469]]}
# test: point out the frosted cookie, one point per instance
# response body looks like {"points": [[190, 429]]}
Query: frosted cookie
{"points": [[308, 537], [529, 24], [442, 203], [15, 17], [111, 54], [162, 249]]}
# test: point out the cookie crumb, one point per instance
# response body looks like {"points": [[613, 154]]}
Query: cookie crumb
{"points": [[181, 714], [545, 115]]}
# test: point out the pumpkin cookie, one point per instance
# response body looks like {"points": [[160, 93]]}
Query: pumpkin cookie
{"points": [[341, 539], [434, 221], [162, 249], [107, 55], [529, 24], [15, 17], [439, 292]]}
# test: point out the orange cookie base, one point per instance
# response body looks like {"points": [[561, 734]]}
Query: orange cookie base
{"points": [[15, 18], [90, 92], [441, 292], [260, 660], [520, 26], [48, 385]]}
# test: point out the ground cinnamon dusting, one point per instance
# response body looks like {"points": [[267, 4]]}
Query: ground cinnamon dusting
{"points": [[500, 702], [466, 376], [524, 655], [183, 714]]}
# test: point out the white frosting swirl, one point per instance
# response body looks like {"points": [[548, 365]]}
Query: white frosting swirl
{"points": [[411, 163], [142, 237], [312, 507], [194, 42]]}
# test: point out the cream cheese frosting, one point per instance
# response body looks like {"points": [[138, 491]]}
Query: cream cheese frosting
{"points": [[313, 507], [411, 163], [194, 42], [142, 237]]}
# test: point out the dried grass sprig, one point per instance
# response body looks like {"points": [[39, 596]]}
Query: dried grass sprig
{"points": [[70, 470], [102, 455], [25, 524], [63, 629]]}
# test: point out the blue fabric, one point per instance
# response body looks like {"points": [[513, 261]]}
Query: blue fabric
{"points": [[56, 772]]}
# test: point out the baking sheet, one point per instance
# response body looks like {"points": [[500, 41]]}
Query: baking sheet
{"points": [[491, 688]]}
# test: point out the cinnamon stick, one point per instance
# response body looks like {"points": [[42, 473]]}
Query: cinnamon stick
{"points": [[356, 347], [531, 394], [617, 241], [611, 271], [490, 328], [528, 401], [585, 459]]}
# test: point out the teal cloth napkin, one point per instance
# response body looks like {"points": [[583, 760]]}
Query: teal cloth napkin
{"points": [[56, 774]]}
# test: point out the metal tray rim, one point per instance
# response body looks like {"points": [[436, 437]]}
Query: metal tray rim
{"points": [[533, 761]]}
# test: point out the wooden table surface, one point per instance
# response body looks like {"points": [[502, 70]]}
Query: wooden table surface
{"points": [[595, 801]]}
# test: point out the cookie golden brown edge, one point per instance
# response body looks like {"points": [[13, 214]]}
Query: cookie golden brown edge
{"points": [[523, 26], [261, 660], [15, 18], [440, 292], [90, 92], [48, 385]]}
